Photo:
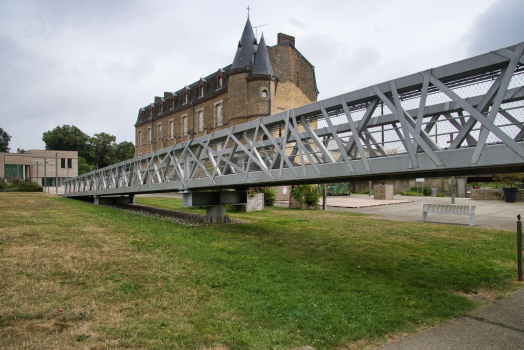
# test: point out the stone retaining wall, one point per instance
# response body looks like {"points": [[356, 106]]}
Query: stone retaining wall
{"points": [[496, 195]]}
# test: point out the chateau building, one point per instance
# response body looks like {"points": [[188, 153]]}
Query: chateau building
{"points": [[262, 80]]}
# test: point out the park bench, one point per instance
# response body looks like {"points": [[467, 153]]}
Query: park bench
{"points": [[449, 209]]}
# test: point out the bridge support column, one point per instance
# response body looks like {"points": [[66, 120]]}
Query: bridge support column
{"points": [[216, 214], [96, 200]]}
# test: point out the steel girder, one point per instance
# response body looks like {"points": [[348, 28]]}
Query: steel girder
{"points": [[385, 130]]}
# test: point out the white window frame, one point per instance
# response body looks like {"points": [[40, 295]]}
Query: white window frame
{"points": [[184, 125], [220, 82], [171, 123], [200, 115], [159, 132], [139, 138], [149, 135], [185, 97], [216, 104]]}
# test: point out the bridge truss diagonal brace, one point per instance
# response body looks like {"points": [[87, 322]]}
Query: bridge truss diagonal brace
{"points": [[354, 131], [362, 125], [508, 74], [474, 113], [280, 152], [410, 123], [293, 127], [337, 139]]}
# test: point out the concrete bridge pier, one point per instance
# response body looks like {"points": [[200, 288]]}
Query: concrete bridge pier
{"points": [[215, 203], [216, 214]]}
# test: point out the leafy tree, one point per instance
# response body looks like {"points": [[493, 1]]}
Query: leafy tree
{"points": [[4, 141], [100, 150], [125, 150], [105, 150], [83, 167], [68, 138]]}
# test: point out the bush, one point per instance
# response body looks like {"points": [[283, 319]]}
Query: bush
{"points": [[305, 194], [426, 190], [19, 185], [269, 196]]}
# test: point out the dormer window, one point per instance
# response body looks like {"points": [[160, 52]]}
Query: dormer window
{"points": [[220, 78], [150, 112], [172, 102], [201, 91], [160, 108], [185, 97]]}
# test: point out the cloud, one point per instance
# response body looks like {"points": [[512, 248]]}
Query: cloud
{"points": [[501, 25]]}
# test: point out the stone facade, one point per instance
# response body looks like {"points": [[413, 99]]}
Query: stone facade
{"points": [[241, 92]]}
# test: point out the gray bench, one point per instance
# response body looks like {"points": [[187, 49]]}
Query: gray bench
{"points": [[449, 209]]}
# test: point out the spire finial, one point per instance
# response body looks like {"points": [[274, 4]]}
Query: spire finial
{"points": [[248, 11]]}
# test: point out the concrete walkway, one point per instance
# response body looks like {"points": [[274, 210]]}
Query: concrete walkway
{"points": [[499, 325], [488, 214]]}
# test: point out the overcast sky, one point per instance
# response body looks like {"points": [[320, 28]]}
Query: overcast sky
{"points": [[94, 63]]}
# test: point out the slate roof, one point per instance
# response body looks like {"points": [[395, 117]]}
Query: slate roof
{"points": [[247, 46], [262, 64]]}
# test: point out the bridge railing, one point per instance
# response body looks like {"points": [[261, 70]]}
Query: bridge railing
{"points": [[461, 116]]}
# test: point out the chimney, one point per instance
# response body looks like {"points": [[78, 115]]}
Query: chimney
{"points": [[281, 37]]}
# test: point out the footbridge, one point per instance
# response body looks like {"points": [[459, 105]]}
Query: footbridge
{"points": [[464, 118]]}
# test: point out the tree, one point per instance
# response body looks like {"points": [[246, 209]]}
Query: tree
{"points": [[83, 167], [105, 150], [4, 141], [125, 150], [68, 138]]}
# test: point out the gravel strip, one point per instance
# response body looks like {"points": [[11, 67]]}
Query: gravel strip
{"points": [[178, 216]]}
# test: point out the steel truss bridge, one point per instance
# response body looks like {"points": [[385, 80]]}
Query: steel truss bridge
{"points": [[463, 118]]}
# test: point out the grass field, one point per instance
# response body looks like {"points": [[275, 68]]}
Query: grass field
{"points": [[75, 275]]}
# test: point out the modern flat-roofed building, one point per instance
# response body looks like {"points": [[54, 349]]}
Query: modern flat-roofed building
{"points": [[46, 167]]}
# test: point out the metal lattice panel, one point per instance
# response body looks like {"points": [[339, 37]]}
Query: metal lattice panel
{"points": [[460, 117]]}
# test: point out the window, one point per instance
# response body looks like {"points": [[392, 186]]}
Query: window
{"points": [[150, 112], [140, 138], [185, 97], [201, 91], [70, 163], [264, 93], [171, 130], [200, 120], [219, 146], [62, 163], [160, 108], [219, 114], [219, 83], [184, 125], [159, 135], [149, 135], [172, 103]]}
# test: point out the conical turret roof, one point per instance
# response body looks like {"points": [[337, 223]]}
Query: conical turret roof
{"points": [[247, 46], [262, 64]]}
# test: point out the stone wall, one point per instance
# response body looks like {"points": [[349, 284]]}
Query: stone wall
{"points": [[494, 195]]}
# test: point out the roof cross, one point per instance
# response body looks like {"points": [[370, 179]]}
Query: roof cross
{"points": [[248, 11]]}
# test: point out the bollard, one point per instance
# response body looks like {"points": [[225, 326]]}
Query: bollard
{"points": [[519, 248]]}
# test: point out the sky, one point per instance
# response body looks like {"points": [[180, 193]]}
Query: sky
{"points": [[94, 64]]}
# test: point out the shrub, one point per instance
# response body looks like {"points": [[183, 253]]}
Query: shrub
{"points": [[426, 190], [269, 196], [509, 179], [305, 194]]}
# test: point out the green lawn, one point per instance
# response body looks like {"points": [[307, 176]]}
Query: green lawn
{"points": [[288, 278]]}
